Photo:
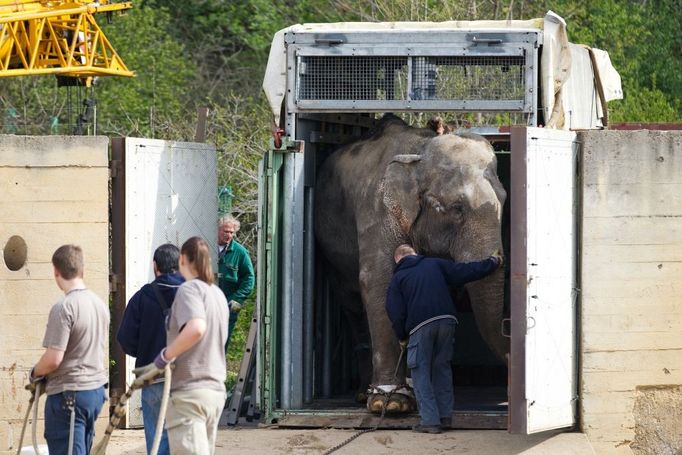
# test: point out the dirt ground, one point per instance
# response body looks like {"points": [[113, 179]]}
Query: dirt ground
{"points": [[252, 441]]}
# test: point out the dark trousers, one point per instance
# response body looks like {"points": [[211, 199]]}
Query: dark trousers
{"points": [[87, 405], [234, 315], [429, 354]]}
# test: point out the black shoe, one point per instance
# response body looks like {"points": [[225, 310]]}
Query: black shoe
{"points": [[446, 423], [431, 429]]}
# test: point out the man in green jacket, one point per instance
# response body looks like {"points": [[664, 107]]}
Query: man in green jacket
{"points": [[235, 271]]}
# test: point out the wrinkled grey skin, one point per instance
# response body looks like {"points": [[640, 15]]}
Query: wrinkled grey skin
{"points": [[405, 185]]}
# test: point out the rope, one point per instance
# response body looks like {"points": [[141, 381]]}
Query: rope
{"points": [[34, 429], [23, 428], [35, 397], [120, 409]]}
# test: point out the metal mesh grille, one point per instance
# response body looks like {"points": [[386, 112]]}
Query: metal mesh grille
{"points": [[352, 78], [468, 78], [433, 78]]}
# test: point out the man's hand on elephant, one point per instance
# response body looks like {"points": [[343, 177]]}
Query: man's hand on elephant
{"points": [[499, 258], [403, 344], [234, 306]]}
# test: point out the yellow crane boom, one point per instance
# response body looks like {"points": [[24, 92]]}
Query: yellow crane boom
{"points": [[57, 37]]}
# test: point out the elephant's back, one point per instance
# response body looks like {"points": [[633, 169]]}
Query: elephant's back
{"points": [[357, 168], [347, 187], [347, 182]]}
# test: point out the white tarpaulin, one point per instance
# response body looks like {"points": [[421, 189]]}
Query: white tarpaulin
{"points": [[556, 62]]}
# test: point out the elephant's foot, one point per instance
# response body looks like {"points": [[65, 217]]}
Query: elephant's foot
{"points": [[397, 399]]}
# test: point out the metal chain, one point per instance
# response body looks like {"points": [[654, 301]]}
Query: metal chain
{"points": [[366, 430], [383, 410]]}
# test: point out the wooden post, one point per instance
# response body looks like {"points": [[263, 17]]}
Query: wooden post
{"points": [[202, 116]]}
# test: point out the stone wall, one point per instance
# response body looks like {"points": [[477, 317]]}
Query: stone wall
{"points": [[631, 314], [53, 191]]}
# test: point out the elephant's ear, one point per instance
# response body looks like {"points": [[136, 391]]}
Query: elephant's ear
{"points": [[401, 191]]}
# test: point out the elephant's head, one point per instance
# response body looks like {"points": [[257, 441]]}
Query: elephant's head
{"points": [[447, 201]]}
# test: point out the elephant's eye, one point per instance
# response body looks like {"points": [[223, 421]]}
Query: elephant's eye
{"points": [[457, 208], [433, 202]]}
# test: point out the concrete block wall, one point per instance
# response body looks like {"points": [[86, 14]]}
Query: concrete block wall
{"points": [[631, 314], [53, 191]]}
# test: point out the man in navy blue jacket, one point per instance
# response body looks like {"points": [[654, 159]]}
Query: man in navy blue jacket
{"points": [[421, 310], [142, 333]]}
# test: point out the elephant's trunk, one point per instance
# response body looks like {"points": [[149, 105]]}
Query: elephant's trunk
{"points": [[486, 295], [487, 302]]}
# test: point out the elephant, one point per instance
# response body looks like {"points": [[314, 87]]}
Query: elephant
{"points": [[401, 184]]}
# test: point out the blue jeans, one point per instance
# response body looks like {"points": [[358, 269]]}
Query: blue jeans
{"points": [[87, 405], [429, 353], [151, 405]]}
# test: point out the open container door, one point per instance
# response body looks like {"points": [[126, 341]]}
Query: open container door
{"points": [[163, 192], [544, 210]]}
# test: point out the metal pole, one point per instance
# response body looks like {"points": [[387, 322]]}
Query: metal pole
{"points": [[292, 282], [94, 115], [308, 295], [287, 279], [327, 347]]}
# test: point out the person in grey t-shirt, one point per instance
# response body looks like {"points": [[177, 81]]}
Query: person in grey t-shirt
{"points": [[72, 368], [197, 331]]}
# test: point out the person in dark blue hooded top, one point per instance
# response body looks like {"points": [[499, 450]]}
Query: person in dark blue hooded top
{"points": [[422, 313], [142, 333]]}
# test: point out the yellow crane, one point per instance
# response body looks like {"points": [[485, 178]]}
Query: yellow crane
{"points": [[57, 37]]}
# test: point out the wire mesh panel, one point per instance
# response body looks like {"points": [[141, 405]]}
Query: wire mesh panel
{"points": [[352, 78], [452, 78], [468, 78]]}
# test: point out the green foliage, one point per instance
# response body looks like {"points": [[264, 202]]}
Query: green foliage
{"points": [[30, 105], [229, 40], [240, 129], [213, 53], [641, 104], [155, 99], [644, 45]]}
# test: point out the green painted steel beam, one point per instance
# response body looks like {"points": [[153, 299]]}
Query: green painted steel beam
{"points": [[269, 257]]}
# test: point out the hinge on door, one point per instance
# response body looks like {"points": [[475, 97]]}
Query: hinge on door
{"points": [[505, 327], [114, 168], [114, 281], [288, 146]]}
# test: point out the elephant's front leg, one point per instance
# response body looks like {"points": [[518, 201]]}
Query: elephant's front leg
{"points": [[375, 275]]}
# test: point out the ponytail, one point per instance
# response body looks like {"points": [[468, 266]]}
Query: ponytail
{"points": [[195, 249]]}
